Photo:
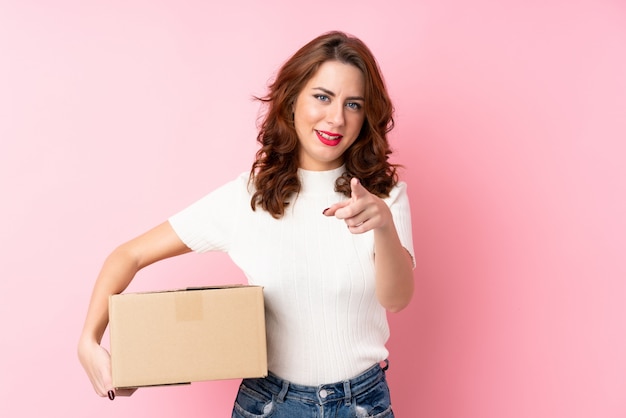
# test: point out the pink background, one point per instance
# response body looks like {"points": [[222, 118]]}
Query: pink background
{"points": [[511, 122]]}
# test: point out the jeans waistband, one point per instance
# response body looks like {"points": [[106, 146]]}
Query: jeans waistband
{"points": [[344, 390]]}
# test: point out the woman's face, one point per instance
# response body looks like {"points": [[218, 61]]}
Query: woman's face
{"points": [[328, 115]]}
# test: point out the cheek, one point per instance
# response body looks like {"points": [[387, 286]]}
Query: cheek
{"points": [[356, 123], [308, 114]]}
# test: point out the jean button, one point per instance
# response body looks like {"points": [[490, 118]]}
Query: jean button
{"points": [[323, 393]]}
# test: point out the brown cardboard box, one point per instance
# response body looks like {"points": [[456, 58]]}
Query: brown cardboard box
{"points": [[185, 336]]}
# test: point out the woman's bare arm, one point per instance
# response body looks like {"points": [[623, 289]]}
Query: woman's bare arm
{"points": [[118, 271]]}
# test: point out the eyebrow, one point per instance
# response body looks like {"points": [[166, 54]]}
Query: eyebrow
{"points": [[331, 94]]}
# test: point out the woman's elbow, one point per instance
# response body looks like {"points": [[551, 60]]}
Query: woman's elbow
{"points": [[397, 307], [399, 301]]}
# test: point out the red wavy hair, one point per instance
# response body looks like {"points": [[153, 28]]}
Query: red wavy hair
{"points": [[275, 169]]}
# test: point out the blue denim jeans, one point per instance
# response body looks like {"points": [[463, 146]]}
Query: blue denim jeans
{"points": [[366, 395]]}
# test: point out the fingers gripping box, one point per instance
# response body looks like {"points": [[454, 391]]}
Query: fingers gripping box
{"points": [[184, 336]]}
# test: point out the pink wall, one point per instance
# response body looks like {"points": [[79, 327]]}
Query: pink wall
{"points": [[511, 122]]}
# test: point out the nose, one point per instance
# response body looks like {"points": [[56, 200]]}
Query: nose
{"points": [[335, 114]]}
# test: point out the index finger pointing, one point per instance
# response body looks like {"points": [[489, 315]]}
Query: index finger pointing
{"points": [[330, 211]]}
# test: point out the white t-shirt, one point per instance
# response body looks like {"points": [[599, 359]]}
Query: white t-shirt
{"points": [[324, 323]]}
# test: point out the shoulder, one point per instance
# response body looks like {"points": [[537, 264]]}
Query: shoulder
{"points": [[227, 195], [238, 185], [399, 191]]}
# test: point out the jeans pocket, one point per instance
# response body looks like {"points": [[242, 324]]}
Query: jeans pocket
{"points": [[375, 403], [253, 402]]}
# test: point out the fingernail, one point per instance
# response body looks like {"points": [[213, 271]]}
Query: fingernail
{"points": [[324, 211], [111, 395]]}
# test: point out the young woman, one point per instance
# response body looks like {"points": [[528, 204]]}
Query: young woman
{"points": [[321, 221]]}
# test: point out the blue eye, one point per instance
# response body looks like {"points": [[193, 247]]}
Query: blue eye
{"points": [[322, 97], [354, 105]]}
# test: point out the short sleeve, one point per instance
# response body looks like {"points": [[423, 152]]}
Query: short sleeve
{"points": [[208, 224], [398, 202]]}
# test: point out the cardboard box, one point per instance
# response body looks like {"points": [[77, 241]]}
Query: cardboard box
{"points": [[184, 336]]}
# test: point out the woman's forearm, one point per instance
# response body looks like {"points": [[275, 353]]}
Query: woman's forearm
{"points": [[117, 272], [394, 269]]}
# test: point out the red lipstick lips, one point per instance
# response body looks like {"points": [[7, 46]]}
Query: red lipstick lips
{"points": [[328, 138]]}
